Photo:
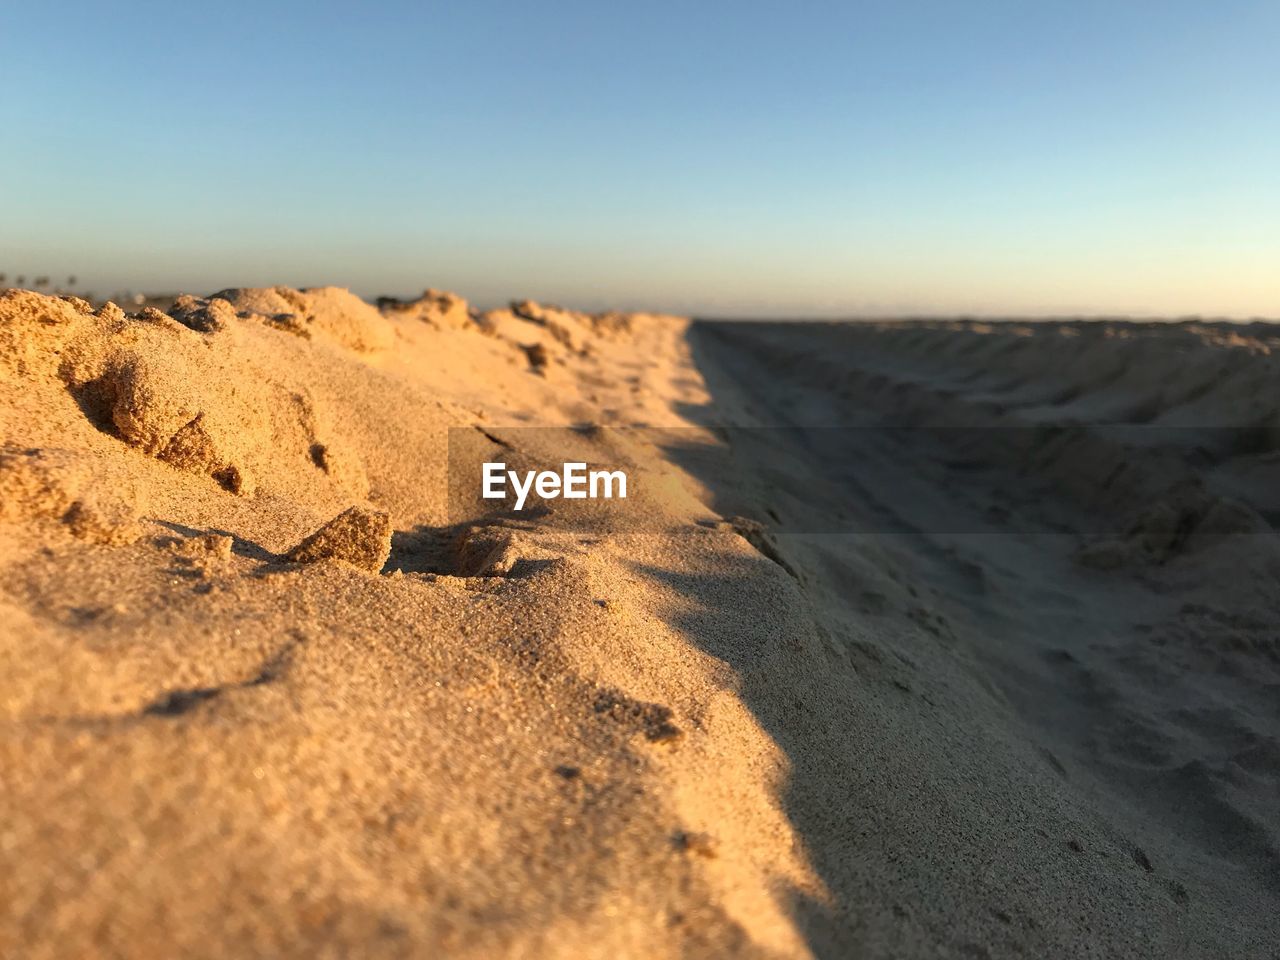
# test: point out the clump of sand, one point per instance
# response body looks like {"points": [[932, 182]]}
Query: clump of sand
{"points": [[356, 536]]}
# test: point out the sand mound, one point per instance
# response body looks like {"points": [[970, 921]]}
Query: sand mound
{"points": [[329, 312], [205, 398], [437, 307], [203, 316], [34, 330]]}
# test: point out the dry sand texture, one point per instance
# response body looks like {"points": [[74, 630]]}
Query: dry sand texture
{"points": [[262, 696]]}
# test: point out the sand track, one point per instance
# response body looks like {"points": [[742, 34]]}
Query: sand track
{"points": [[1144, 687]]}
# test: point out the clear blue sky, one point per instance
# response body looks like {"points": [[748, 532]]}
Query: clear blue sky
{"points": [[717, 157]]}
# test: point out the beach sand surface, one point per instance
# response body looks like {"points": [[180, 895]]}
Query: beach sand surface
{"points": [[936, 639]]}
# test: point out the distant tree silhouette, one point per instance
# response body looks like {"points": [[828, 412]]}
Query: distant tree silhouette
{"points": [[71, 280], [41, 282], [3, 277], [22, 280]]}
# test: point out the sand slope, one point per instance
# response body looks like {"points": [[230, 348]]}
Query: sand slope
{"points": [[262, 694]]}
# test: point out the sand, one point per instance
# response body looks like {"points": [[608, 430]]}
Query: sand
{"points": [[857, 682]]}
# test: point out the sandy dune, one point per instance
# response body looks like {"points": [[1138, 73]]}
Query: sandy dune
{"points": [[938, 639]]}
